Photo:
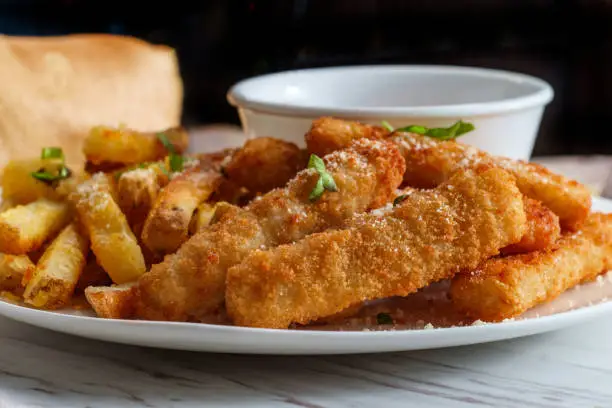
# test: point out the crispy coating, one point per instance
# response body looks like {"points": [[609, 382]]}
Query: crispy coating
{"points": [[167, 224], [505, 287], [395, 251], [328, 134], [430, 162], [543, 229], [190, 283], [265, 163]]}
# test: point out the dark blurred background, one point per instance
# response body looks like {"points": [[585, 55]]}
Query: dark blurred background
{"points": [[567, 43]]}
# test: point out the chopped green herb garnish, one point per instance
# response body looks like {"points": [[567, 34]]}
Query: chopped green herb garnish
{"points": [[52, 153], [176, 163], [47, 176], [452, 132], [164, 141], [384, 318], [325, 181], [387, 126], [399, 199], [176, 160]]}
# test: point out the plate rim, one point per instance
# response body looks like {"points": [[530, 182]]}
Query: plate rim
{"points": [[78, 325]]}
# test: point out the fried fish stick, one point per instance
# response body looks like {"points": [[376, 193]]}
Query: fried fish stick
{"points": [[327, 134], [167, 224], [430, 236], [265, 163], [127, 146], [190, 283], [543, 229], [430, 162], [506, 287]]}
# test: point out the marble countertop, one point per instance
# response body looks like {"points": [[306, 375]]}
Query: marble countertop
{"points": [[566, 368]]}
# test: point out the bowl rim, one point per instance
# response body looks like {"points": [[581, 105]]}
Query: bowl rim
{"points": [[543, 94]]}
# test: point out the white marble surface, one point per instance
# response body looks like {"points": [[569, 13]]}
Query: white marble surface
{"points": [[568, 368]]}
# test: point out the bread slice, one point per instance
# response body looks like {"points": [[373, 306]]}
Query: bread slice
{"points": [[55, 89]]}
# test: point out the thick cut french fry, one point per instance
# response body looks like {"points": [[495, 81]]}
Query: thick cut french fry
{"points": [[58, 271], [18, 184], [136, 192], [26, 227], [202, 217], [112, 302], [6, 204], [13, 269], [93, 275], [112, 240], [122, 145], [167, 225]]}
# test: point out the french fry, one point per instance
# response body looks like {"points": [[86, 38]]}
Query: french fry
{"points": [[136, 192], [26, 227], [19, 186], [58, 271], [112, 302], [112, 240], [5, 204], [167, 225], [93, 275], [121, 145], [13, 269], [202, 217]]}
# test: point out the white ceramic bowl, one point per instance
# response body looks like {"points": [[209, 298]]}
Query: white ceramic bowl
{"points": [[505, 107]]}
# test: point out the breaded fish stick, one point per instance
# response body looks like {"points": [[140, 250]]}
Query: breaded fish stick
{"points": [[190, 283], [543, 229], [430, 236], [430, 162], [265, 163], [505, 287]]}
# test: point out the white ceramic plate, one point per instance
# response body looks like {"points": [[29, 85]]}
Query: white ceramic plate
{"points": [[580, 304]]}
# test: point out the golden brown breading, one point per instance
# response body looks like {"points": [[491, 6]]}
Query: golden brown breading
{"points": [[430, 236], [190, 283], [430, 162], [505, 287], [328, 134], [265, 163], [543, 229]]}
